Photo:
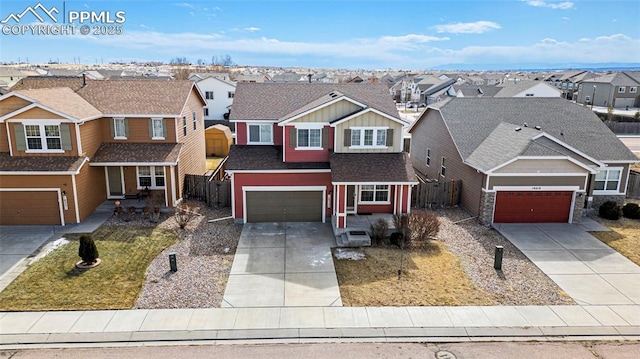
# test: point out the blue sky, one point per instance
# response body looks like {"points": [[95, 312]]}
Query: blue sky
{"points": [[353, 34]]}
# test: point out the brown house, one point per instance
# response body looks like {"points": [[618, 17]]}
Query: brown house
{"points": [[64, 150]]}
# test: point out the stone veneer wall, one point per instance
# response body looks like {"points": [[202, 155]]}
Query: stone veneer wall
{"points": [[578, 207], [598, 200], [487, 200]]}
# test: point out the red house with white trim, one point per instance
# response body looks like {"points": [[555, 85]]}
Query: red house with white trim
{"points": [[317, 152]]}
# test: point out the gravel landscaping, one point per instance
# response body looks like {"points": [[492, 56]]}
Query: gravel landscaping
{"points": [[204, 254], [519, 283]]}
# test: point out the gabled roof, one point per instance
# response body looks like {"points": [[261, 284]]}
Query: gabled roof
{"points": [[272, 101], [471, 121], [618, 79], [38, 82], [132, 97], [510, 89], [321, 102], [63, 100]]}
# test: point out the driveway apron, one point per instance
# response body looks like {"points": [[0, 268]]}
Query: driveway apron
{"points": [[19, 242], [588, 270], [278, 266]]}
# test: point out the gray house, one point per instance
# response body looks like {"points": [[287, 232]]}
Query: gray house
{"points": [[521, 159], [618, 88]]}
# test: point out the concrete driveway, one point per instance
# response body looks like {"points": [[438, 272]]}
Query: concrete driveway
{"points": [[19, 242], [588, 270], [278, 267]]}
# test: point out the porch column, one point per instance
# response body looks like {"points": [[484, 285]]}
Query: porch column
{"points": [[341, 206]]}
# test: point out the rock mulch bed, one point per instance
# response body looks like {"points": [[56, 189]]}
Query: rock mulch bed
{"points": [[204, 254], [519, 283]]}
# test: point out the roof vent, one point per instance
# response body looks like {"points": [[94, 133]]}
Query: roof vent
{"points": [[525, 125], [518, 129], [538, 128], [333, 95]]}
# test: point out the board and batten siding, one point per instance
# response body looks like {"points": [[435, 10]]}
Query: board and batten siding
{"points": [[432, 133], [369, 119], [193, 154], [541, 166], [330, 113]]}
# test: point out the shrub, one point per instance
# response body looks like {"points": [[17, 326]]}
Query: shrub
{"points": [[88, 250], [631, 210], [417, 227], [379, 230], [184, 215], [610, 210]]}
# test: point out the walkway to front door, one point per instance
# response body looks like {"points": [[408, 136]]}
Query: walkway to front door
{"points": [[276, 266]]}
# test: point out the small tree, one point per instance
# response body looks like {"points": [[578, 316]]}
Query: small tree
{"points": [[631, 210], [417, 227], [610, 112], [88, 250], [637, 115]]}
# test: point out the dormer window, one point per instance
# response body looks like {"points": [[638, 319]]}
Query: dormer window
{"points": [[43, 137], [369, 137], [260, 134], [119, 128]]}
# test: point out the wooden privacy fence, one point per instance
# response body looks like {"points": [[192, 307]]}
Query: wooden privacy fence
{"points": [[214, 193], [436, 194], [633, 190]]}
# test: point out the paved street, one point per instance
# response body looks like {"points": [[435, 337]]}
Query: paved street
{"points": [[510, 350]]}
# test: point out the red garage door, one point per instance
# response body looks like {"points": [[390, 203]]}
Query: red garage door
{"points": [[532, 207]]}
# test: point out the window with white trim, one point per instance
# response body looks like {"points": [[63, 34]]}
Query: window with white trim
{"points": [[157, 126], [206, 112], [633, 89], [443, 168], [208, 95], [260, 134], [378, 193], [428, 157], [151, 177], [184, 125], [608, 180], [230, 94], [309, 137], [622, 89], [369, 137], [43, 137], [119, 128]]}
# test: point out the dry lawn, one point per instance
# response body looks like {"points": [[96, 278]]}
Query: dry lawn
{"points": [[431, 276], [624, 237], [53, 282]]}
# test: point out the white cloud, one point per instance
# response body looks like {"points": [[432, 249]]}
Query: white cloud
{"points": [[146, 27], [252, 29], [477, 27], [185, 5], [406, 51], [566, 18], [552, 5]]}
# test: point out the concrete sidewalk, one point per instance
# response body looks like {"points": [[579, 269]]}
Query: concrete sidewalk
{"points": [[304, 324]]}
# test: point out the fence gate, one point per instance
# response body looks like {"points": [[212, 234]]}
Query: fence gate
{"points": [[633, 190], [214, 193]]}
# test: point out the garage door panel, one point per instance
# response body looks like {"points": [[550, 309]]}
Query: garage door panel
{"points": [[533, 206], [301, 206], [30, 207]]}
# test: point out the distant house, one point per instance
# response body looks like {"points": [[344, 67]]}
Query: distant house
{"points": [[219, 95], [619, 89], [527, 88], [568, 81], [9, 76], [252, 78], [431, 89], [521, 159]]}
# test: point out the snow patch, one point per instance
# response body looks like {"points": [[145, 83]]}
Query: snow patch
{"points": [[350, 254], [49, 247]]}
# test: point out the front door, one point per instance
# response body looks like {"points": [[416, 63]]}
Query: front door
{"points": [[114, 179], [351, 199]]}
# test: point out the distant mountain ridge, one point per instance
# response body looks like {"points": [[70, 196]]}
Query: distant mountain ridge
{"points": [[606, 66]]}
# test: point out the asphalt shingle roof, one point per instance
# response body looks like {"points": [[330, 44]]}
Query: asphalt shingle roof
{"points": [[271, 101], [265, 158], [372, 167], [63, 99], [137, 153], [472, 120], [39, 163]]}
